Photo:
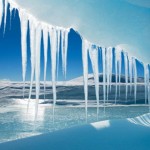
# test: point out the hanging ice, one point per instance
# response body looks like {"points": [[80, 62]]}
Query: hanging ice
{"points": [[109, 69], [5, 15], [85, 49], [130, 72], [32, 26], [45, 38], [64, 47], [93, 52], [1, 11], [104, 73], [135, 78], [146, 80], [126, 72], [118, 65], [58, 49], [53, 42], [59, 40], [24, 25], [37, 63]]}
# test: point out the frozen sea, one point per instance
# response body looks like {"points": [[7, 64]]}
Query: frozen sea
{"points": [[16, 123]]}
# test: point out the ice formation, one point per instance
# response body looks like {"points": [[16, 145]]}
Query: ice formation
{"points": [[59, 45], [85, 48], [93, 53]]}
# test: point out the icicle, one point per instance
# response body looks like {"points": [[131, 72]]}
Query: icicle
{"points": [[126, 72], [24, 25], [45, 38], [104, 73], [1, 11], [32, 24], [135, 78], [109, 69], [85, 49], [130, 72], [116, 72], [53, 42], [110, 66], [93, 52], [37, 64], [5, 15], [64, 47], [58, 49], [11, 11], [146, 81], [118, 64]]}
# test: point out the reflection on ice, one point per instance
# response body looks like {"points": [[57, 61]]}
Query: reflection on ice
{"points": [[143, 120], [101, 124]]}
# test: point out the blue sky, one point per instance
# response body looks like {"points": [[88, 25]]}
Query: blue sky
{"points": [[104, 22]]}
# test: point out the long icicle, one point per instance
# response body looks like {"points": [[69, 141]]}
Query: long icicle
{"points": [[116, 76], [64, 47], [24, 26], [58, 49], [45, 39], [135, 79], [146, 82], [53, 43], [85, 49], [93, 52], [126, 72], [1, 11], [37, 65], [5, 15], [130, 73], [118, 64], [32, 26], [104, 75], [109, 69]]}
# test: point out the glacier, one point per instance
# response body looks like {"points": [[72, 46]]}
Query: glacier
{"points": [[58, 37]]}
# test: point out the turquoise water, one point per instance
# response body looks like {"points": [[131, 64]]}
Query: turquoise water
{"points": [[16, 123]]}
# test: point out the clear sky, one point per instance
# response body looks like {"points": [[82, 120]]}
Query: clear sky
{"points": [[105, 22]]}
